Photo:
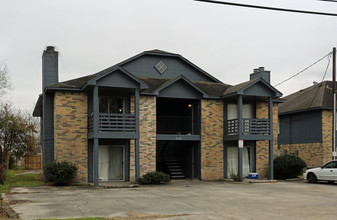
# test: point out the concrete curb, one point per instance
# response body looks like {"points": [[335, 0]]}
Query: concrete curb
{"points": [[120, 186], [5, 203], [4, 199], [294, 179], [260, 181]]}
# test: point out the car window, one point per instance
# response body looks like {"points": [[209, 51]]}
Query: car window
{"points": [[330, 165]]}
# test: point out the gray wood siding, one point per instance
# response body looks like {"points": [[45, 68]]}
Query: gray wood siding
{"points": [[305, 127], [48, 128], [117, 79], [145, 66], [259, 89], [181, 90]]}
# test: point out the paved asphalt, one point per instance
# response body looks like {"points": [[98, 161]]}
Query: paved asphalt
{"points": [[181, 200]]}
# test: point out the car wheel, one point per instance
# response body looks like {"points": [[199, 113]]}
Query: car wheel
{"points": [[311, 178], [330, 182]]}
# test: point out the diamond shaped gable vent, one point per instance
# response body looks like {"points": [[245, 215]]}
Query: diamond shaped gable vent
{"points": [[161, 67]]}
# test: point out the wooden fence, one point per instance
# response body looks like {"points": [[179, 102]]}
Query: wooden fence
{"points": [[33, 162]]}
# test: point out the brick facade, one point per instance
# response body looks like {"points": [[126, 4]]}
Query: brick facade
{"points": [[315, 154], [211, 139], [70, 131], [262, 147], [132, 161], [147, 129], [311, 153], [327, 118]]}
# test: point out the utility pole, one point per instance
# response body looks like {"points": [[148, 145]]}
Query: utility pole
{"points": [[334, 102]]}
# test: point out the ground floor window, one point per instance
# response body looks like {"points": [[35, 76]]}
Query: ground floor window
{"points": [[233, 160]]}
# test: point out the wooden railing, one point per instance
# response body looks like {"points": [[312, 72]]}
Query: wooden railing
{"points": [[113, 123], [250, 126], [174, 125]]}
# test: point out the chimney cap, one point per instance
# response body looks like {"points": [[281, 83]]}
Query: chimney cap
{"points": [[261, 68], [50, 48]]}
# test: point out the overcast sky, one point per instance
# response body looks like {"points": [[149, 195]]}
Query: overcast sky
{"points": [[227, 42]]}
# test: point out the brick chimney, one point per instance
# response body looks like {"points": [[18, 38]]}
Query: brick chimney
{"points": [[50, 73], [261, 73]]}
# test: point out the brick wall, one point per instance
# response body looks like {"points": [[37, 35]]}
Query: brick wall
{"points": [[327, 118], [132, 161], [315, 154], [147, 129], [70, 131], [211, 139], [262, 147], [311, 153]]}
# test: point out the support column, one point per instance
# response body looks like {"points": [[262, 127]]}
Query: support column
{"points": [[95, 164], [137, 164], [137, 167], [96, 142], [239, 104], [271, 154], [225, 158]]}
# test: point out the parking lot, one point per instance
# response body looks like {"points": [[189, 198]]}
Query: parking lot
{"points": [[181, 200]]}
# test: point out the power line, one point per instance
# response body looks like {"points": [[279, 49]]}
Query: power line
{"points": [[327, 67], [302, 70], [267, 8], [328, 0], [317, 85]]}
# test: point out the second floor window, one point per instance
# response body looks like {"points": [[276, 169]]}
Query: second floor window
{"points": [[111, 105], [232, 111]]}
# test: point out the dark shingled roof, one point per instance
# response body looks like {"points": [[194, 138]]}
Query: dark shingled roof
{"points": [[77, 83], [38, 107], [313, 97], [153, 83], [238, 87], [160, 51], [212, 88]]}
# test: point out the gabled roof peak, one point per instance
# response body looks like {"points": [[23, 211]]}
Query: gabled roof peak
{"points": [[159, 51]]}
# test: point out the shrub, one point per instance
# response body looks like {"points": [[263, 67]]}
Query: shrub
{"points": [[235, 177], [288, 166], [60, 173], [154, 178], [2, 174]]}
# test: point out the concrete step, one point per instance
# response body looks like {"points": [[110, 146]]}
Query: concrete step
{"points": [[175, 170], [178, 177]]}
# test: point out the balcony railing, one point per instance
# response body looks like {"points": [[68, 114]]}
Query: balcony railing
{"points": [[113, 123], [174, 125], [250, 126]]}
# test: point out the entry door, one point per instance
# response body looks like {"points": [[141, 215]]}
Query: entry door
{"points": [[233, 161], [111, 162]]}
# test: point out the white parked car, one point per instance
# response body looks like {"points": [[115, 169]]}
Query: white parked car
{"points": [[327, 172]]}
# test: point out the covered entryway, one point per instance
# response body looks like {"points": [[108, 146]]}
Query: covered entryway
{"points": [[180, 159], [111, 162], [233, 161]]}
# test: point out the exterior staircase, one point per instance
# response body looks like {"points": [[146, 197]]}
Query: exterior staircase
{"points": [[174, 169]]}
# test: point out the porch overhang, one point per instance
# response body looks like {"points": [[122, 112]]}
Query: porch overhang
{"points": [[117, 77], [254, 88], [175, 137]]}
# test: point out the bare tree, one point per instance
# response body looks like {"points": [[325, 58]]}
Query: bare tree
{"points": [[4, 79]]}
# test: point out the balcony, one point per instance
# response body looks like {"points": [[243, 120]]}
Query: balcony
{"points": [[174, 125], [122, 123], [250, 127]]}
